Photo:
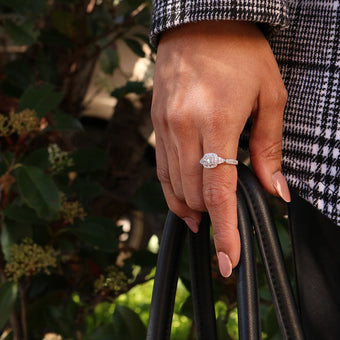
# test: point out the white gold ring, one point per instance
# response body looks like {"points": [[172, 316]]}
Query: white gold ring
{"points": [[211, 160]]}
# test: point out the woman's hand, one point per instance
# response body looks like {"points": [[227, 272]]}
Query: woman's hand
{"points": [[209, 78]]}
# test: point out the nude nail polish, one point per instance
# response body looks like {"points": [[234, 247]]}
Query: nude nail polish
{"points": [[192, 224], [224, 264], [281, 186]]}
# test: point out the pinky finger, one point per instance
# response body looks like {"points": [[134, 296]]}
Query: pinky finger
{"points": [[191, 217]]}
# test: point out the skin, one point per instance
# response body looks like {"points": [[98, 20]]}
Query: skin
{"points": [[209, 78]]}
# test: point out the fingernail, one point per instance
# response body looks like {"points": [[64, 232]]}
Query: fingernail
{"points": [[224, 264], [281, 186], [192, 224]]}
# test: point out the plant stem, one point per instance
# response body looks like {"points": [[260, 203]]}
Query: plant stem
{"points": [[15, 325], [22, 293]]}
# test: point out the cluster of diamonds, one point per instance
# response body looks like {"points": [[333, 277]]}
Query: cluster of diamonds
{"points": [[211, 160]]}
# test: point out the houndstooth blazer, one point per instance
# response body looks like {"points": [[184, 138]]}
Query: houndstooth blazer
{"points": [[306, 44]]}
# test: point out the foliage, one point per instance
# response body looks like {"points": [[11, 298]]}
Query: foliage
{"points": [[61, 41], [58, 256]]}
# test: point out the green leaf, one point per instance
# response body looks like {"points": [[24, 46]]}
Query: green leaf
{"points": [[105, 332], [89, 160], [37, 158], [100, 233], [128, 324], [109, 60], [130, 87], [38, 191], [187, 308], [8, 296], [6, 159], [22, 214], [42, 99], [221, 328], [13, 232], [19, 75], [46, 65], [24, 6], [281, 226], [64, 122], [270, 325], [24, 34], [135, 46], [144, 258]]}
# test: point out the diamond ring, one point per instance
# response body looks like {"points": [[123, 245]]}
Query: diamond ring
{"points": [[211, 160]]}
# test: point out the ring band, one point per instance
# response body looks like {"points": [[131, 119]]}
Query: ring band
{"points": [[211, 160]]}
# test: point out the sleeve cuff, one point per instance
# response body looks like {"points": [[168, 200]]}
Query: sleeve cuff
{"points": [[271, 15]]}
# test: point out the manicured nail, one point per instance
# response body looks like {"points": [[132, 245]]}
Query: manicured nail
{"points": [[224, 264], [191, 223], [281, 186]]}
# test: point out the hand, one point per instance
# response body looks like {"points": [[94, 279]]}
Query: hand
{"points": [[209, 78]]}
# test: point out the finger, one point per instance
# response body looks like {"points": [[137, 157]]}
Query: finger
{"points": [[192, 218], [174, 170], [219, 192], [192, 172], [266, 141]]}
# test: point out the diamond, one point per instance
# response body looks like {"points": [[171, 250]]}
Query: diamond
{"points": [[210, 160]]}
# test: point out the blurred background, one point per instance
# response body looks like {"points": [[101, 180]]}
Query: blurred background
{"points": [[81, 210]]}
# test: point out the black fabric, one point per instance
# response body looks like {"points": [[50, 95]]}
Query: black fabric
{"points": [[316, 245]]}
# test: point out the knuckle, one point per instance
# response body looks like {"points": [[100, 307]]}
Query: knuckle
{"points": [[196, 203], [177, 120], [275, 98], [178, 191], [163, 174], [272, 152], [279, 97], [158, 118], [216, 194]]}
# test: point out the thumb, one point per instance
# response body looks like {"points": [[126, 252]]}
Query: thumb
{"points": [[266, 150]]}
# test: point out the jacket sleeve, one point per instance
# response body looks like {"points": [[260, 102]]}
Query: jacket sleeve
{"points": [[167, 14]]}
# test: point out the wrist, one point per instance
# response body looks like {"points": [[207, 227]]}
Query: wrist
{"points": [[213, 28]]}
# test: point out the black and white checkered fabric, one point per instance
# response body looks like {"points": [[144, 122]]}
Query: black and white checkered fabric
{"points": [[168, 14], [308, 54], [309, 57]]}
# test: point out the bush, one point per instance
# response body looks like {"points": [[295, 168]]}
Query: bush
{"points": [[60, 255]]}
